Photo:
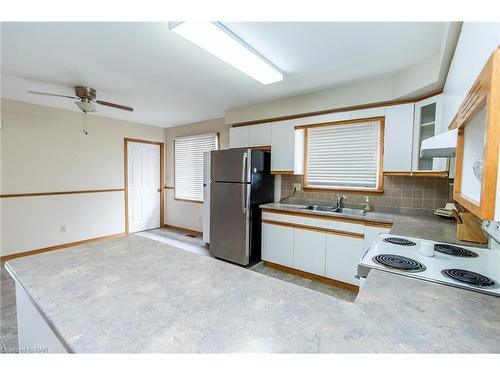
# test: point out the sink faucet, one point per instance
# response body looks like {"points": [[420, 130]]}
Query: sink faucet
{"points": [[340, 198]]}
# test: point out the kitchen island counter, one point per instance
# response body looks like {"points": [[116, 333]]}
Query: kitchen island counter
{"points": [[133, 294]]}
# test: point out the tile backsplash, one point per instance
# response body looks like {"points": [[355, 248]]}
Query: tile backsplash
{"points": [[405, 193]]}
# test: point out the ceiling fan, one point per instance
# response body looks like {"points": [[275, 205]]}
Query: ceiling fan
{"points": [[86, 99]]}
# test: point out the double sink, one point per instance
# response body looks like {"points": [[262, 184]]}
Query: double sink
{"points": [[338, 210]]}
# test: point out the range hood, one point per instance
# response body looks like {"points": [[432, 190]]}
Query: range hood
{"points": [[441, 146]]}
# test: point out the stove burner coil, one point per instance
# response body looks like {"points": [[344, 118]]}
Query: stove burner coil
{"points": [[399, 262], [454, 250], [399, 241], [468, 277]]}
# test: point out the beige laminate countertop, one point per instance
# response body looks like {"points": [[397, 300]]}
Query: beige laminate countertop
{"points": [[430, 227]]}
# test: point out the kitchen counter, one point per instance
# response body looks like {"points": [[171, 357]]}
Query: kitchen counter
{"points": [[133, 294], [430, 227]]}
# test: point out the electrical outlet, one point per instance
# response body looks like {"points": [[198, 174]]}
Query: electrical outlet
{"points": [[63, 228], [297, 186]]}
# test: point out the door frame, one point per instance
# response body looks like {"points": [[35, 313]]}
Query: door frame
{"points": [[162, 176]]}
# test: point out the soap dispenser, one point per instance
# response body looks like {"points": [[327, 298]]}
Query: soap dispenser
{"points": [[367, 206]]}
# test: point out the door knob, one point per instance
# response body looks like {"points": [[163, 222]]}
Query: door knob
{"points": [[158, 190]]}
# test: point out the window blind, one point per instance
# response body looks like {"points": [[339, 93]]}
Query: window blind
{"points": [[344, 155], [189, 164]]}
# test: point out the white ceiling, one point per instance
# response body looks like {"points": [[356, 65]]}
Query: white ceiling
{"points": [[170, 81]]}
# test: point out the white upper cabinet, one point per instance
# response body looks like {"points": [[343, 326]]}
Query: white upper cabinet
{"points": [[368, 113], [250, 136], [238, 137], [259, 135], [427, 124], [283, 146], [398, 136]]}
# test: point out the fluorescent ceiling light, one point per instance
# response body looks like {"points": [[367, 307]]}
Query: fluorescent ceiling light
{"points": [[219, 41]]}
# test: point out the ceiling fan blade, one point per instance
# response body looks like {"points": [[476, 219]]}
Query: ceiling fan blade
{"points": [[119, 106], [50, 94]]}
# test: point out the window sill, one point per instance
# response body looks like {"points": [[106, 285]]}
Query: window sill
{"points": [[188, 200]]}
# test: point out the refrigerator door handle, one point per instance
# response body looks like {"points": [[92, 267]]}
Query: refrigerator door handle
{"points": [[244, 167], [244, 198]]}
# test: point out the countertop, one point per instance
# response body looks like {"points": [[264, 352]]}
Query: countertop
{"points": [[133, 294], [430, 227]]}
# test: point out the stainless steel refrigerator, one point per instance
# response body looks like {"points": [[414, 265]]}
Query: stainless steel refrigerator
{"points": [[240, 180]]}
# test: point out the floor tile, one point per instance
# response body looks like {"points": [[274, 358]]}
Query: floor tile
{"points": [[333, 291], [8, 316], [177, 239]]}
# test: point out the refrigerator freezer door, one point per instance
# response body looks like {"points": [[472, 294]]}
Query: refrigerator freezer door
{"points": [[229, 222], [231, 165]]}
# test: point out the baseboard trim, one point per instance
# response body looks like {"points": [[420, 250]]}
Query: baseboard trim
{"points": [[311, 276], [190, 231], [57, 247]]}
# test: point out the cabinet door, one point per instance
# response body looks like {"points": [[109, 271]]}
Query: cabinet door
{"points": [[309, 251], [342, 257], [427, 125], [277, 244], [238, 137], [398, 138], [282, 146], [259, 135], [371, 234]]}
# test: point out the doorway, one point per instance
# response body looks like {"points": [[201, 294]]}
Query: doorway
{"points": [[144, 195]]}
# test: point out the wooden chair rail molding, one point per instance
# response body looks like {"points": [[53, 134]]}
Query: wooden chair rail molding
{"points": [[17, 195], [5, 258]]}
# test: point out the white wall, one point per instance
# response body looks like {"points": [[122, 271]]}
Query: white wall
{"points": [[475, 45], [183, 214], [44, 150]]}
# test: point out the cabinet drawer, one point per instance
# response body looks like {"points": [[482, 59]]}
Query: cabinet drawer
{"points": [[275, 216], [343, 225], [277, 244]]}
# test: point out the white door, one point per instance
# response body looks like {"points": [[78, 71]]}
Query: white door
{"points": [[143, 186]]}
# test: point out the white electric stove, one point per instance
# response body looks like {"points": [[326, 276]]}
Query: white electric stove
{"points": [[472, 268]]}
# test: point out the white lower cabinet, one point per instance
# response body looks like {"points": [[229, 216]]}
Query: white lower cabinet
{"points": [[277, 244], [309, 251], [324, 247], [371, 234], [342, 257]]}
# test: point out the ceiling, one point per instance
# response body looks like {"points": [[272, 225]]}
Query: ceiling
{"points": [[170, 81]]}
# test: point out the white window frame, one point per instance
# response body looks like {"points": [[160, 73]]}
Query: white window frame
{"points": [[378, 188], [185, 195]]}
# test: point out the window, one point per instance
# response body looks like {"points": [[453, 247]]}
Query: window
{"points": [[188, 154], [344, 155]]}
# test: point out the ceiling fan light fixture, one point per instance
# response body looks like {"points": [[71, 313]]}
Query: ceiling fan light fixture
{"points": [[86, 106], [216, 39]]}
